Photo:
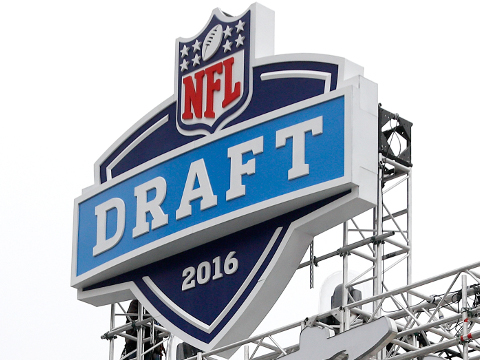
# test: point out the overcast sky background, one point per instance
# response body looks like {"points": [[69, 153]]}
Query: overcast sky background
{"points": [[75, 75]]}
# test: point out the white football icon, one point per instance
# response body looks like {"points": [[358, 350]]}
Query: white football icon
{"points": [[212, 42]]}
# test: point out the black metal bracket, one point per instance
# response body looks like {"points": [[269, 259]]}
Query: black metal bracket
{"points": [[400, 127]]}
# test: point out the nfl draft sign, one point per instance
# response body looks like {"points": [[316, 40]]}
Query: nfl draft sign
{"points": [[205, 207]]}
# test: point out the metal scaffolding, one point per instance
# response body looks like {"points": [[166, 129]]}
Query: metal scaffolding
{"points": [[444, 325]]}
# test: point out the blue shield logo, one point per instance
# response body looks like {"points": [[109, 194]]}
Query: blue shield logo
{"points": [[213, 74]]}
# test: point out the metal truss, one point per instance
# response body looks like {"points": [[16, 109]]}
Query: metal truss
{"points": [[444, 325], [382, 242], [158, 337]]}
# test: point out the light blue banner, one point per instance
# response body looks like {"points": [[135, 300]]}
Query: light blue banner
{"points": [[324, 154]]}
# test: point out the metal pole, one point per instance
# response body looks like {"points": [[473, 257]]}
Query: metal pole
{"points": [[111, 350], [378, 271], [395, 164], [464, 316], [140, 333], [409, 234], [312, 262], [346, 317]]}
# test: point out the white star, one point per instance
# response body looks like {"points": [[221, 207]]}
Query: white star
{"points": [[239, 26], [227, 32], [239, 40], [184, 51], [227, 46], [196, 60], [184, 65], [196, 46]]}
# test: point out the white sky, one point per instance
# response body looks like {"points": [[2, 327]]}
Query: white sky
{"points": [[74, 75]]}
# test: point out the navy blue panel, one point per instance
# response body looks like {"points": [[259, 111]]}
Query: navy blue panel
{"points": [[274, 94]]}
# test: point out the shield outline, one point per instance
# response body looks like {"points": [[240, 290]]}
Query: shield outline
{"points": [[83, 295]]}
